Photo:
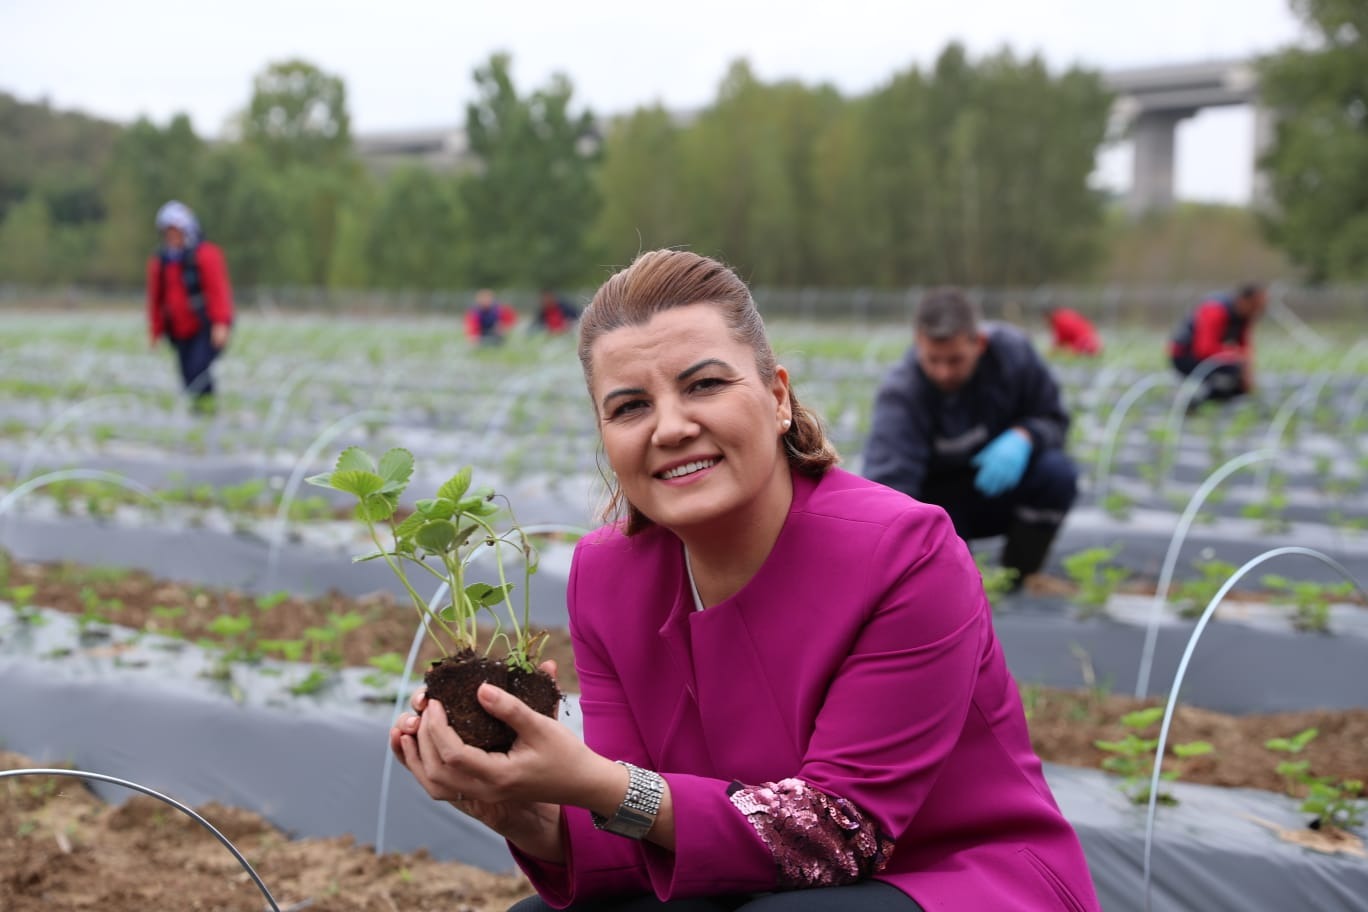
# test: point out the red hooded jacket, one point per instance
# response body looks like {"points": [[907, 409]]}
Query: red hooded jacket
{"points": [[169, 308]]}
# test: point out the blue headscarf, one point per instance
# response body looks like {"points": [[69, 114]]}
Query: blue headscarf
{"points": [[176, 214]]}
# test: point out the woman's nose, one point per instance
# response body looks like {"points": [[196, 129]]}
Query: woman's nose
{"points": [[673, 424]]}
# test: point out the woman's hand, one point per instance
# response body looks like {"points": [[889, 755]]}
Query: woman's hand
{"points": [[517, 794]]}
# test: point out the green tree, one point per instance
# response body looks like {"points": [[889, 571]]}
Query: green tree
{"points": [[1318, 162], [26, 243], [643, 200], [253, 221], [415, 237], [347, 266], [298, 115], [125, 237], [38, 143], [531, 200], [148, 166]]}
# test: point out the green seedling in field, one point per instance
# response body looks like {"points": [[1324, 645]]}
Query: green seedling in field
{"points": [[270, 600], [236, 642], [20, 599], [1118, 505], [389, 666], [1270, 510], [442, 537], [1094, 579], [1338, 804], [1132, 757], [1194, 595], [997, 581], [1312, 600]]}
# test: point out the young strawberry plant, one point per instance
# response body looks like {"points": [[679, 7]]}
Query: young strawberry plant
{"points": [[1312, 600], [441, 537], [1336, 804], [1095, 579], [1133, 756], [1195, 594]]}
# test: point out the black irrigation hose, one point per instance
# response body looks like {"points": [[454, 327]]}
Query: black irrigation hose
{"points": [[81, 774]]}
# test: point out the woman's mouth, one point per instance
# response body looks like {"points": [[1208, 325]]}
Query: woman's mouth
{"points": [[687, 468]]}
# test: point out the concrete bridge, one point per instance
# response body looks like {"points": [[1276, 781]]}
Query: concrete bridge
{"points": [[1150, 103]]}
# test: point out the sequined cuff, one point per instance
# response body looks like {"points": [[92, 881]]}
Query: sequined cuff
{"points": [[817, 840]]}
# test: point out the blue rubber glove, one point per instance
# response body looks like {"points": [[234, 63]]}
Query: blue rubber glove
{"points": [[1002, 462]]}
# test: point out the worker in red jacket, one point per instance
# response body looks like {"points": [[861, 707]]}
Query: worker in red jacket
{"points": [[1219, 330], [1073, 332], [490, 320], [189, 298], [554, 315]]}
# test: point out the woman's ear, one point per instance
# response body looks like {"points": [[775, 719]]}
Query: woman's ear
{"points": [[780, 388]]}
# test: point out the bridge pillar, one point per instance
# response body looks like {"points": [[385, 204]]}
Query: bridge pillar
{"points": [[1152, 168], [1265, 125]]}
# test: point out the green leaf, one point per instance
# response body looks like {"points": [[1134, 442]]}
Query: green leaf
{"points": [[1143, 718], [354, 459], [230, 625], [436, 508], [397, 466], [409, 525], [376, 508], [357, 481], [388, 662], [320, 481], [436, 536], [454, 488], [1193, 749], [485, 595], [367, 557]]}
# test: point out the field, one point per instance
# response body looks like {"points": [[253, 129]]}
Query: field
{"points": [[147, 543]]}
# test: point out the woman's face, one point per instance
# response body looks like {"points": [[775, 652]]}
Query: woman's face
{"points": [[688, 426]]}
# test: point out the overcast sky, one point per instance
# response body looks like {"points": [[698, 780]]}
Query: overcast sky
{"points": [[408, 64]]}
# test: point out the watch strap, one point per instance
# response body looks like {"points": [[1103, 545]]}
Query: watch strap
{"points": [[637, 813]]}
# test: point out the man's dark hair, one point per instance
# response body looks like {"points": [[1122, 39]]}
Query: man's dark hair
{"points": [[946, 312], [1248, 290]]}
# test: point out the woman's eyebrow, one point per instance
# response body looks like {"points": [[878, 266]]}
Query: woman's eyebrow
{"points": [[688, 372]]}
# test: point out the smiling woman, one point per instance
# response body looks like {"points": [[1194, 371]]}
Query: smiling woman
{"points": [[792, 695]]}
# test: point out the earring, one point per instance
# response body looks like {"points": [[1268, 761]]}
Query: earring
{"points": [[785, 424]]}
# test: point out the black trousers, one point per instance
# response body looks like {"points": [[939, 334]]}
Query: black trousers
{"points": [[1029, 515], [1226, 381], [196, 354], [868, 896], [1045, 493]]}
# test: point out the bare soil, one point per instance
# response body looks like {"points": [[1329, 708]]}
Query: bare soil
{"points": [[62, 848]]}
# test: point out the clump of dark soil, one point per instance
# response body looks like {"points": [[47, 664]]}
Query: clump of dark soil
{"points": [[454, 681]]}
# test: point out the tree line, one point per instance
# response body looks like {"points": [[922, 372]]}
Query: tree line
{"points": [[972, 171]]}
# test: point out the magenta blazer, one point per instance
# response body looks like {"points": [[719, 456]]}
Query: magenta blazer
{"points": [[860, 658]]}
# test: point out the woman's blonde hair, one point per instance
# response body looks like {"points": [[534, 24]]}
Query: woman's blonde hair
{"points": [[660, 280]]}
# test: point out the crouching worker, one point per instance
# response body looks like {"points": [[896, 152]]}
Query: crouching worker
{"points": [[1219, 330], [748, 627], [971, 420]]}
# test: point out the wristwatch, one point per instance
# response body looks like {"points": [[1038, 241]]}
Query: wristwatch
{"points": [[637, 813]]}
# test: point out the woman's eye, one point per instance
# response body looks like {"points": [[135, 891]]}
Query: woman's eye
{"points": [[707, 383], [628, 407]]}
